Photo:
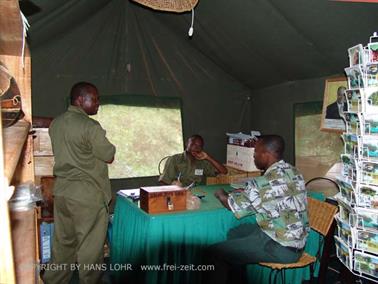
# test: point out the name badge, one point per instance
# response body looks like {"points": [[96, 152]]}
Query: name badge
{"points": [[198, 172]]}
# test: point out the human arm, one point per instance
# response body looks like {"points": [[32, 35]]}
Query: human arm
{"points": [[244, 202], [222, 196], [170, 175], [204, 156], [102, 149]]}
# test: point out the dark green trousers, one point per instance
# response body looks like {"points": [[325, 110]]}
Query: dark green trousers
{"points": [[246, 244], [79, 234]]}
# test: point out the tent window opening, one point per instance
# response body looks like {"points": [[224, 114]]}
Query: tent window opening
{"points": [[144, 129]]}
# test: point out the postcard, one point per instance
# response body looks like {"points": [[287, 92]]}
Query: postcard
{"points": [[353, 99], [368, 196], [373, 51], [369, 148], [344, 231], [366, 219], [350, 144], [355, 78], [366, 263], [356, 55], [343, 252], [367, 241], [370, 98], [366, 55], [369, 172], [371, 75], [349, 170], [345, 211], [347, 190], [370, 124], [353, 123]]}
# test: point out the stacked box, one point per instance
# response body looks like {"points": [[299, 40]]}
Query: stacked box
{"points": [[241, 158]]}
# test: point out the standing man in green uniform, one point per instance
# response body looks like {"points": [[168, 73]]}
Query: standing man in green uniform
{"points": [[193, 165], [81, 191]]}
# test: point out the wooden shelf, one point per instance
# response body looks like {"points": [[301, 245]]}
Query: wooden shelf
{"points": [[14, 138], [17, 154], [23, 225]]}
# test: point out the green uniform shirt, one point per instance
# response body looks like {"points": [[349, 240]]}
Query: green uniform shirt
{"points": [[188, 170], [80, 149]]}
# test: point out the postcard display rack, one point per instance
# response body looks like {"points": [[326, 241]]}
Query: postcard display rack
{"points": [[357, 220]]}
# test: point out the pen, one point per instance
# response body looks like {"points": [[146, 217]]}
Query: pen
{"points": [[179, 176], [191, 185]]}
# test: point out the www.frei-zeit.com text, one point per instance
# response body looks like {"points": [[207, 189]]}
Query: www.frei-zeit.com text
{"points": [[127, 267]]}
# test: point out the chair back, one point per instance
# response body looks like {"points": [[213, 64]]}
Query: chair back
{"points": [[162, 164], [321, 215], [327, 186]]}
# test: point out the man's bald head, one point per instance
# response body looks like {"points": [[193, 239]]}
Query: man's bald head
{"points": [[81, 89], [340, 94]]}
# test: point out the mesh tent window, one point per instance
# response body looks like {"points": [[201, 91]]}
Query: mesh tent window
{"points": [[144, 129]]}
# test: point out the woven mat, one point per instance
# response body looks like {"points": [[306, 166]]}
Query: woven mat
{"points": [[178, 6]]}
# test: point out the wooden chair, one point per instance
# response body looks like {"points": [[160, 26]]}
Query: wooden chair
{"points": [[321, 218]]}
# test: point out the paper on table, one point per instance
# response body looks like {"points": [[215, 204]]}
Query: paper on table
{"points": [[135, 192]]}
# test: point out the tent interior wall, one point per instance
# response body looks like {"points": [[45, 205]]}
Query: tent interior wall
{"points": [[246, 65]]}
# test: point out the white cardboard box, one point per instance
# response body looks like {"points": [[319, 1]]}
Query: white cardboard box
{"points": [[241, 158]]}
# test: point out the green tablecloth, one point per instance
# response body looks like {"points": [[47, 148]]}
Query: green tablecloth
{"points": [[178, 239]]}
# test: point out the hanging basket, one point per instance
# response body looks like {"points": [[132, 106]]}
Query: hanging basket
{"points": [[10, 98], [177, 6]]}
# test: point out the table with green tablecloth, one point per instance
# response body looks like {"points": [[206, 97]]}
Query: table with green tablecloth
{"points": [[168, 247]]}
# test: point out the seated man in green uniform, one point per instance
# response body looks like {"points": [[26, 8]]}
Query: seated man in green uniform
{"points": [[193, 165], [279, 200], [81, 190]]}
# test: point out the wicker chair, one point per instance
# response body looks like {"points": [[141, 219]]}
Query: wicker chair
{"points": [[321, 217]]}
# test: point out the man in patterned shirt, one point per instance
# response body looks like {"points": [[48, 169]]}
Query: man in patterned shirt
{"points": [[279, 200]]}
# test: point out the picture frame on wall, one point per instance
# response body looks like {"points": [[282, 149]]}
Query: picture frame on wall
{"points": [[334, 105]]}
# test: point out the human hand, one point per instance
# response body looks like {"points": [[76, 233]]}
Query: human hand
{"points": [[221, 193], [222, 196], [200, 155], [177, 182]]}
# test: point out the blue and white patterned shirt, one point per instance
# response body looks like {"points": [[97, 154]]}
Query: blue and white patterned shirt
{"points": [[279, 200]]}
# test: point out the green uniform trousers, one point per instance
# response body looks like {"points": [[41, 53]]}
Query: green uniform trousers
{"points": [[79, 236]]}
